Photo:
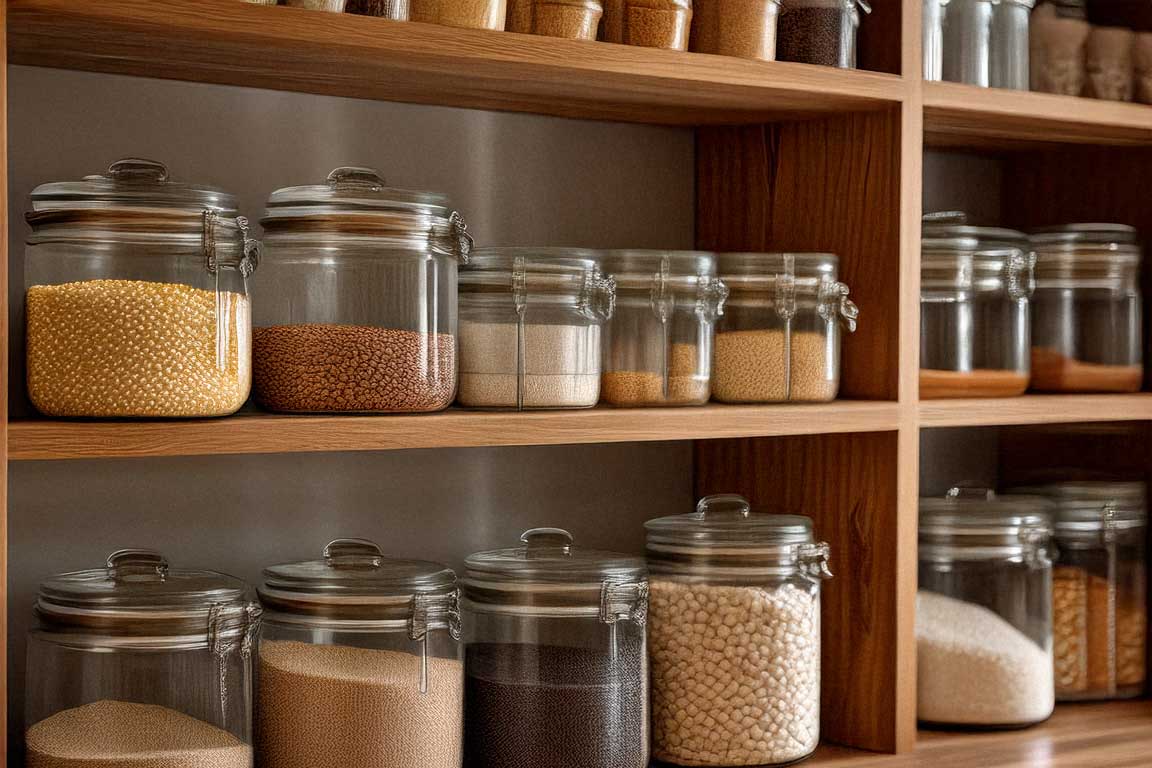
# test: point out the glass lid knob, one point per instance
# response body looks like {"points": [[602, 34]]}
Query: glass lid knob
{"points": [[545, 541], [354, 176], [137, 565], [353, 553], [723, 505], [138, 169]]}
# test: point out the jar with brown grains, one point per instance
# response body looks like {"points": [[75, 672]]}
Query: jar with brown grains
{"points": [[573, 19], [648, 23], [137, 298], [474, 14], [743, 28], [658, 344], [360, 662], [779, 337], [360, 308]]}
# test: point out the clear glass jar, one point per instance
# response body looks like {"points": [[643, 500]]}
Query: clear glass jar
{"points": [[360, 662], [359, 310], [478, 14], [530, 327], [1008, 59], [137, 298], [984, 611], [658, 344], [1086, 311], [735, 597], [742, 28], [396, 10], [975, 283], [779, 337], [556, 660], [819, 31], [648, 23], [967, 41], [932, 22], [572, 19], [332, 6], [138, 660], [1100, 610]]}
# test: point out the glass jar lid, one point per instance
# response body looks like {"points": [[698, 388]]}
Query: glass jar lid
{"points": [[1086, 234], [1087, 256], [1094, 506], [661, 276], [741, 270], [138, 601], [540, 276], [788, 281], [977, 524], [131, 185]]}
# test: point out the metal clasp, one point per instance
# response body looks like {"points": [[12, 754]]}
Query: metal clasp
{"points": [[464, 241], [624, 601], [835, 304], [1108, 523], [1021, 274], [249, 249], [813, 560], [711, 300]]}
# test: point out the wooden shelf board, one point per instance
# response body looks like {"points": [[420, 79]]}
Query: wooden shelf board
{"points": [[265, 433], [957, 115], [1035, 409], [236, 43]]}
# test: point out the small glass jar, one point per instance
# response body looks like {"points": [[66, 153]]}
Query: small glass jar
{"points": [[974, 330], [1101, 614], [984, 611], [331, 6], [1086, 310], [932, 22], [530, 322], [742, 28], [137, 660], [819, 31], [556, 660], [137, 297], [967, 41], [779, 337], [473, 14], [658, 344], [360, 662], [1008, 59], [648, 23], [735, 635], [396, 10], [572, 19], [359, 310]]}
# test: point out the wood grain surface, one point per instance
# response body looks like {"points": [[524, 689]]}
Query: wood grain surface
{"points": [[1035, 409]]}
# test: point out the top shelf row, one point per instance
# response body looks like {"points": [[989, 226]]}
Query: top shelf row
{"points": [[234, 43]]}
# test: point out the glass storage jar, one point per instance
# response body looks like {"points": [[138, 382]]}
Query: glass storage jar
{"points": [[819, 31], [138, 664], [572, 19], [360, 662], [332, 6], [713, 571], [359, 310], [530, 322], [1086, 316], [474, 14], [556, 662], [974, 329], [967, 41], [1008, 57], [647, 23], [742, 28], [1100, 613], [397, 10], [137, 301], [1058, 34], [984, 611], [932, 21], [658, 344], [779, 337]]}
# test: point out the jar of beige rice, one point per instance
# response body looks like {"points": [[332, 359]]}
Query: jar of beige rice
{"points": [[137, 296], [779, 337], [136, 664], [734, 635], [360, 662]]}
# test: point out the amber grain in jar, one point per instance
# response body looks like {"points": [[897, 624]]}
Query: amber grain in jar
{"points": [[571, 19], [472, 14], [648, 23]]}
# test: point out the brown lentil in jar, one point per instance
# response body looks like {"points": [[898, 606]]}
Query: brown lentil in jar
{"points": [[648, 23], [742, 28], [821, 32], [632, 388], [470, 14], [750, 367], [571, 19]]}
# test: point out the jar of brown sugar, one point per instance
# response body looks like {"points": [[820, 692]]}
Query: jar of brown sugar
{"points": [[360, 309], [779, 337], [474, 14], [1086, 310], [742, 28], [648, 23], [572, 19]]}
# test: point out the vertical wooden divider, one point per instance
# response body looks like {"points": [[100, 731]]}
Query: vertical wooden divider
{"points": [[4, 367]]}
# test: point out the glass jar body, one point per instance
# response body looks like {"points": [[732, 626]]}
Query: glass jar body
{"points": [[1008, 62], [542, 688], [984, 641], [571, 19], [132, 324], [369, 697], [1086, 338], [973, 344], [396, 10], [355, 325], [741, 28], [490, 14], [933, 24], [648, 23], [967, 37], [818, 32]]}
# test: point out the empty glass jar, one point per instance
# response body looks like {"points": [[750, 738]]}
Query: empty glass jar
{"points": [[1008, 58], [779, 337], [735, 635], [359, 310], [967, 30], [137, 660], [984, 610], [1086, 316], [137, 298], [819, 31], [530, 321], [975, 283], [556, 656], [658, 344], [360, 662]]}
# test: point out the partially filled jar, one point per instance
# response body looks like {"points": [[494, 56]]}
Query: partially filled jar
{"points": [[779, 337], [1086, 311], [139, 665], [975, 283], [530, 328], [648, 23], [360, 663], [137, 298], [819, 31], [984, 611], [734, 635], [359, 309], [556, 661], [741, 28], [658, 344]]}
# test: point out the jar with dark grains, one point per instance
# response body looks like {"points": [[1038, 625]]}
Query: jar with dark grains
{"points": [[742, 28], [572, 19], [397, 10], [360, 662], [359, 313], [137, 297], [648, 23], [658, 344], [779, 337], [819, 32], [556, 658]]}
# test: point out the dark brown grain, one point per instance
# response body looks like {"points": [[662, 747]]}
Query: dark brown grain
{"points": [[814, 35]]}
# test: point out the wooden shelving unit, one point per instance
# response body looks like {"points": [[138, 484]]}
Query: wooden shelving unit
{"points": [[787, 157]]}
